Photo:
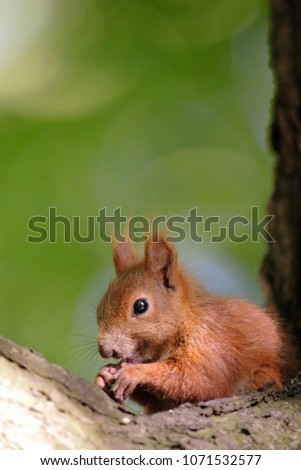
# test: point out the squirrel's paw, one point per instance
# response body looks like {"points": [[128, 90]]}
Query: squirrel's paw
{"points": [[106, 375], [125, 381]]}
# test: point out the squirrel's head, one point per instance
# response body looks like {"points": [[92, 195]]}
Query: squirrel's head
{"points": [[139, 314]]}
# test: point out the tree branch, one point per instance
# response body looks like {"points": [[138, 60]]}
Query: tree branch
{"points": [[44, 406]]}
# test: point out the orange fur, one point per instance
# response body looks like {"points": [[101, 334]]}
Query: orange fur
{"points": [[189, 345]]}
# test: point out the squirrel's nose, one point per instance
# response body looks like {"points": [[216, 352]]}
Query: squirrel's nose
{"points": [[115, 354], [104, 352]]}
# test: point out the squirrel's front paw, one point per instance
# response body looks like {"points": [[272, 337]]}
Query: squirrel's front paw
{"points": [[106, 375], [125, 381]]}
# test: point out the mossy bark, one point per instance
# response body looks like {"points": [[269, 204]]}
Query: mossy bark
{"points": [[42, 406]]}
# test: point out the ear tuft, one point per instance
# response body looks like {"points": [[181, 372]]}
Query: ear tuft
{"points": [[124, 255], [161, 258]]}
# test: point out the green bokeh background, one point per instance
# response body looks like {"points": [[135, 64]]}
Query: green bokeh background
{"points": [[152, 106]]}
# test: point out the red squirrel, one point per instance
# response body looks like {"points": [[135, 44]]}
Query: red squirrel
{"points": [[179, 343]]}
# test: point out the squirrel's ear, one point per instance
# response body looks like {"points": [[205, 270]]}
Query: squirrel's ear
{"points": [[162, 258], [124, 255]]}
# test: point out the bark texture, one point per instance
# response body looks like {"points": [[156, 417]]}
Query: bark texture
{"points": [[282, 266], [42, 406]]}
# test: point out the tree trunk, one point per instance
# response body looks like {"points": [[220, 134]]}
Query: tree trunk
{"points": [[44, 406], [282, 266]]}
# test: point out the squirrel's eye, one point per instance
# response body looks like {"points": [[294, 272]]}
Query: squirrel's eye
{"points": [[140, 306]]}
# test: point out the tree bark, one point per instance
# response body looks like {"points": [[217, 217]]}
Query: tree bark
{"points": [[42, 406], [282, 266]]}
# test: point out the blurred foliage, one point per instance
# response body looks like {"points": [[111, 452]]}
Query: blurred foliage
{"points": [[155, 107]]}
